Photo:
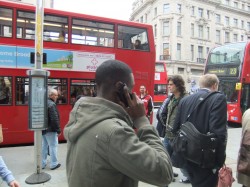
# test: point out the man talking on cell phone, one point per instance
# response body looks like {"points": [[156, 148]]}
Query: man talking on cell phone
{"points": [[103, 149]]}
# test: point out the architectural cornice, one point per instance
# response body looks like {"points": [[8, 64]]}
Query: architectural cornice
{"points": [[227, 28], [201, 21], [233, 9]]}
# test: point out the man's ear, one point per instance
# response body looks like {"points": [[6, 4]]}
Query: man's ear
{"points": [[120, 86]]}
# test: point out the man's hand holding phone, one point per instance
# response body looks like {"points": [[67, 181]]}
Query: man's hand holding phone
{"points": [[135, 106]]}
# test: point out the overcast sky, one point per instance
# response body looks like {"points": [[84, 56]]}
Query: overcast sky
{"points": [[118, 9]]}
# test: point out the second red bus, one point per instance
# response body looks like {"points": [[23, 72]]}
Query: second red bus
{"points": [[160, 83]]}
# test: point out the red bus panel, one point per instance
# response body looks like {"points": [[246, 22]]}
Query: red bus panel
{"points": [[160, 83]]}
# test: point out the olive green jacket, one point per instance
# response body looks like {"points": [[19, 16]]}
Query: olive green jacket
{"points": [[104, 150]]}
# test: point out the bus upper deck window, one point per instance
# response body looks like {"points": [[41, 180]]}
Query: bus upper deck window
{"points": [[132, 38], [6, 22]]}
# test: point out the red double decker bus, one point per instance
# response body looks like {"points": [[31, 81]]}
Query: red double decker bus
{"points": [[231, 63], [74, 46], [160, 88]]}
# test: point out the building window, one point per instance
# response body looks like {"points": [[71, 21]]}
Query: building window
{"points": [[166, 9], [208, 14], [192, 29], [242, 38], [208, 33], [166, 28], [243, 6], [200, 12], [146, 18], [179, 8], [178, 52], [242, 24], [200, 31], [248, 8], [166, 51], [207, 50], [178, 28], [141, 19], [180, 70], [197, 71], [155, 11], [217, 36], [248, 26], [217, 16], [155, 30], [227, 37], [236, 4], [227, 21], [200, 52], [235, 22], [227, 2], [192, 52], [235, 37], [166, 48], [193, 11]]}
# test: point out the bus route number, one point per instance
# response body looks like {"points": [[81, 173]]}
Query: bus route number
{"points": [[233, 71]]}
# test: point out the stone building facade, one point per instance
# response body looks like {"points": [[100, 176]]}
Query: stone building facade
{"points": [[185, 30]]}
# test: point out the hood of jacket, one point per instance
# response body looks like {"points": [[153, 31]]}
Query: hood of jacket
{"points": [[90, 111]]}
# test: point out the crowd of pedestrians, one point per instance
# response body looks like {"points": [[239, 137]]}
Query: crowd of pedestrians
{"points": [[104, 149]]}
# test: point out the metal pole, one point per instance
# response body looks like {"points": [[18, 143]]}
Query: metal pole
{"points": [[38, 83]]}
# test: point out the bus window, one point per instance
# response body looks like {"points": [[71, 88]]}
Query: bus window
{"points": [[60, 85], [228, 89], [82, 87], [245, 100], [5, 90], [92, 33], [25, 25], [6, 22], [160, 89], [22, 90], [128, 36], [55, 28]]}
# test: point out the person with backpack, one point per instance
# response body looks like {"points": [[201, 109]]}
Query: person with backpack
{"points": [[208, 117], [167, 112]]}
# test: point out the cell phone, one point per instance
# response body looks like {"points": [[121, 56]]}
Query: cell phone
{"points": [[121, 94]]}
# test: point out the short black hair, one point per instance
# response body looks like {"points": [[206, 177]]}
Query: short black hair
{"points": [[112, 71]]}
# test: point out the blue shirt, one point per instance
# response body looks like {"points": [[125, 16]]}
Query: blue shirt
{"points": [[5, 173]]}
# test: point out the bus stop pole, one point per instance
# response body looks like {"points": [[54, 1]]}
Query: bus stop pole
{"points": [[38, 99]]}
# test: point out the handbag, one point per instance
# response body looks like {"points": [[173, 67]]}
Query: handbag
{"points": [[194, 146], [1, 134], [225, 177]]}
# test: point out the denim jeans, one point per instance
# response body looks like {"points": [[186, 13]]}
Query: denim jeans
{"points": [[166, 143], [50, 140]]}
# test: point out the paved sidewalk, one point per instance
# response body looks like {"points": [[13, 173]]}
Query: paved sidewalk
{"points": [[20, 161]]}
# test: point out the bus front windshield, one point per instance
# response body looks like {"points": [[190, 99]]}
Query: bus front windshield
{"points": [[231, 53], [227, 87]]}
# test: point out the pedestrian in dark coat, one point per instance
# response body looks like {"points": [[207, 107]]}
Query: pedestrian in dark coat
{"points": [[210, 116]]}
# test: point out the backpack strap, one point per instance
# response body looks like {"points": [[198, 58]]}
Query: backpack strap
{"points": [[202, 99]]}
